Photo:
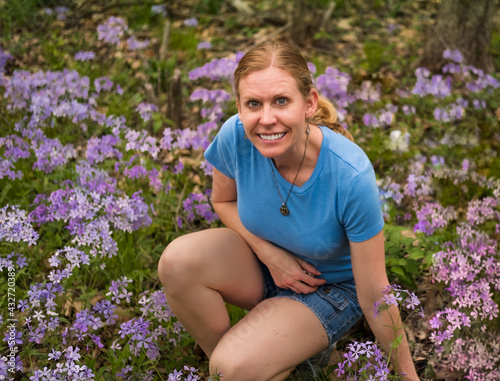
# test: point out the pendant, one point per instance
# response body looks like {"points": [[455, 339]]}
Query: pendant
{"points": [[284, 210]]}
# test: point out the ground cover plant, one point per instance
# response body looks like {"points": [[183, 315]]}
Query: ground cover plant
{"points": [[95, 180]]}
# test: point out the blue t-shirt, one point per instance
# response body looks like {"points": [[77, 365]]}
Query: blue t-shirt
{"points": [[337, 204]]}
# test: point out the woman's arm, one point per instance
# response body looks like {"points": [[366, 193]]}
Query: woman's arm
{"points": [[368, 265], [286, 269]]}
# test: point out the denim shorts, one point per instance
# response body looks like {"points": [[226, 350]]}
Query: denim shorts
{"points": [[335, 305]]}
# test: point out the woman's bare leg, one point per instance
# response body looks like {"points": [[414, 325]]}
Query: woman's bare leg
{"points": [[200, 271], [269, 342]]}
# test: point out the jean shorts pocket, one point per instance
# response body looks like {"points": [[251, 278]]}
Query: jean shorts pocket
{"points": [[334, 297]]}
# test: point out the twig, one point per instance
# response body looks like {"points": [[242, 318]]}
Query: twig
{"points": [[117, 5], [163, 52], [328, 13]]}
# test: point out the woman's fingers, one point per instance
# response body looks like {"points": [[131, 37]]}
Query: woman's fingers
{"points": [[309, 268]]}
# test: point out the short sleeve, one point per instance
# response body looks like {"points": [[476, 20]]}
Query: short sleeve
{"points": [[362, 210], [221, 152]]}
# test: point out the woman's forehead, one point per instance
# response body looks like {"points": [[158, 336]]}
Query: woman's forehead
{"points": [[270, 79]]}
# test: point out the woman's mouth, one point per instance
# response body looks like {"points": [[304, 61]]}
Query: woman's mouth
{"points": [[270, 137]]}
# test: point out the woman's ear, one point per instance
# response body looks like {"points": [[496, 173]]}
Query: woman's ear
{"points": [[311, 103]]}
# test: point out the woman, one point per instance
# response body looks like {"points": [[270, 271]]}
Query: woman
{"points": [[303, 250]]}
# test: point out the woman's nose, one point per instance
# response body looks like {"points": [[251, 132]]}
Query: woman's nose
{"points": [[267, 117]]}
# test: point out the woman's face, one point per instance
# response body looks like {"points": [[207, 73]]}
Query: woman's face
{"points": [[274, 112]]}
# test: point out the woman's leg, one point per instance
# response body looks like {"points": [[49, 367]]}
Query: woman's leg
{"points": [[269, 342], [200, 271]]}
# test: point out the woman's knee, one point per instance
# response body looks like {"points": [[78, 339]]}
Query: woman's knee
{"points": [[231, 366], [180, 261]]}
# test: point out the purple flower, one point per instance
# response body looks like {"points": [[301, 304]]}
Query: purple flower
{"points": [[159, 10], [204, 45], [72, 353], [98, 149], [4, 58], [141, 141], [191, 22], [217, 69], [391, 299], [350, 359], [340, 370], [369, 93], [371, 120], [15, 226], [453, 55], [134, 44], [112, 30], [334, 85], [84, 56], [145, 110], [36, 336]]}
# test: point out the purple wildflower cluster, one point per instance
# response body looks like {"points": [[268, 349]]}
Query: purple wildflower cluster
{"points": [[84, 56], [180, 376], [467, 267], [112, 30], [59, 11], [433, 216], [135, 44], [382, 118], [159, 9], [365, 361], [217, 69], [192, 21], [470, 270], [9, 261], [91, 209], [16, 226], [441, 87], [334, 85], [145, 109], [397, 296], [368, 357], [91, 205], [212, 113], [197, 205], [4, 57]]}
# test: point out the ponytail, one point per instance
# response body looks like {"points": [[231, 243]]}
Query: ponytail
{"points": [[327, 115]]}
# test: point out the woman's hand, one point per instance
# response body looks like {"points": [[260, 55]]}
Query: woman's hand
{"points": [[289, 271]]}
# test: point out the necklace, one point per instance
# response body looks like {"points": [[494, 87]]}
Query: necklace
{"points": [[284, 208]]}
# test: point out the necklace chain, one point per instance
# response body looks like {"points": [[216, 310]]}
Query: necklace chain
{"points": [[284, 208]]}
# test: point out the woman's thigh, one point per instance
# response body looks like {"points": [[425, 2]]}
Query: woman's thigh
{"points": [[276, 335], [218, 259]]}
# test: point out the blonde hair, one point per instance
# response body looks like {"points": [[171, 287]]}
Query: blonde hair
{"points": [[283, 56]]}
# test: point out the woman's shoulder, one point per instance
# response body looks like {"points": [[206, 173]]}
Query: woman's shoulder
{"points": [[346, 151], [233, 124]]}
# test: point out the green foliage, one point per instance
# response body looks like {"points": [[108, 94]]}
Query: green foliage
{"points": [[21, 13], [209, 6], [183, 39], [376, 53], [405, 259]]}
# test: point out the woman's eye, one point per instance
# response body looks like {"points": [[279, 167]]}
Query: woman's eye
{"points": [[253, 103], [281, 101]]}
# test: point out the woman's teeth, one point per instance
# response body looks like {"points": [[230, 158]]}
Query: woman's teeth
{"points": [[272, 137]]}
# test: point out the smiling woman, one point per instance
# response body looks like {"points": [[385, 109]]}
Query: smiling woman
{"points": [[303, 245]]}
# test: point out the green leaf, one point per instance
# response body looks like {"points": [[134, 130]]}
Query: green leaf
{"points": [[416, 254], [397, 341]]}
